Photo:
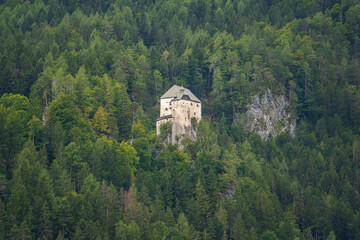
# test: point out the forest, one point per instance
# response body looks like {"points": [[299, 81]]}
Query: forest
{"points": [[80, 83]]}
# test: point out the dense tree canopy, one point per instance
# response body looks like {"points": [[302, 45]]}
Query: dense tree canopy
{"points": [[80, 83]]}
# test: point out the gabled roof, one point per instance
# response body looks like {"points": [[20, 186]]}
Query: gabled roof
{"points": [[164, 117], [178, 92]]}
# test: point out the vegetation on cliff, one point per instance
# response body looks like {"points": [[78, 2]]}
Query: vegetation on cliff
{"points": [[79, 89]]}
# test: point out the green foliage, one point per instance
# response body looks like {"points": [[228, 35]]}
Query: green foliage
{"points": [[268, 235], [138, 130], [100, 121], [80, 83], [165, 129], [123, 111], [64, 111], [35, 129], [13, 127]]}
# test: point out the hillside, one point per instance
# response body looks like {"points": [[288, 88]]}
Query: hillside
{"points": [[80, 83]]}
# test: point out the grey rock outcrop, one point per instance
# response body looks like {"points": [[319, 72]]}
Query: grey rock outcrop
{"points": [[268, 115], [177, 133]]}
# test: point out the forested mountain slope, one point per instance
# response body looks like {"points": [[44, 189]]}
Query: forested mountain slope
{"points": [[80, 83]]}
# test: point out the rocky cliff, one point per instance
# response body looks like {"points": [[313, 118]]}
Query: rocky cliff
{"points": [[268, 115], [179, 132], [175, 133]]}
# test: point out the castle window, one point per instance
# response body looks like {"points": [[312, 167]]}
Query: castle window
{"points": [[166, 109], [191, 104], [197, 105], [194, 113]]}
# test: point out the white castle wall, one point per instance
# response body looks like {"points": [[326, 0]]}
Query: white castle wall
{"points": [[182, 111], [165, 107]]}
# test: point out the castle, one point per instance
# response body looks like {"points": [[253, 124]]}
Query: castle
{"points": [[182, 109]]}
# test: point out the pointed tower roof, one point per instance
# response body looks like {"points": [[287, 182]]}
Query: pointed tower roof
{"points": [[178, 92]]}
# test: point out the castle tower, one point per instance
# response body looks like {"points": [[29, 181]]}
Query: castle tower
{"points": [[182, 109]]}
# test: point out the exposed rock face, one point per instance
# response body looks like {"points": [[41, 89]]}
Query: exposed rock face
{"points": [[267, 115], [178, 132]]}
